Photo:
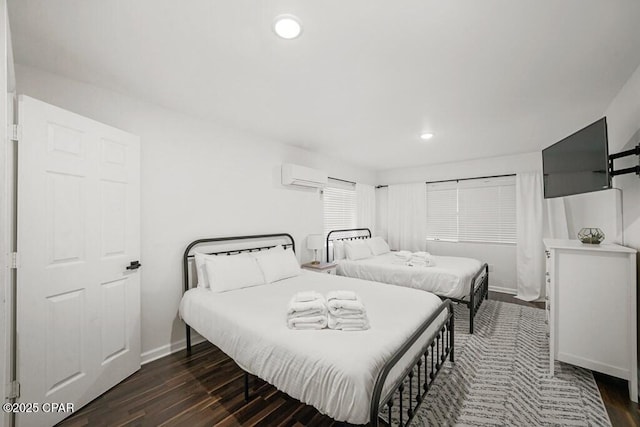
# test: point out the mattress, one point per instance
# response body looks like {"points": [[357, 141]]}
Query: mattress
{"points": [[450, 277], [332, 370]]}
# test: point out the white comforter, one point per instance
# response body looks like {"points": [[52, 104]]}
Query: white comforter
{"points": [[449, 278], [332, 370]]}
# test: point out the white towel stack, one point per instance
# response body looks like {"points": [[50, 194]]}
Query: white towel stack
{"points": [[346, 311], [421, 259], [402, 257], [307, 310]]}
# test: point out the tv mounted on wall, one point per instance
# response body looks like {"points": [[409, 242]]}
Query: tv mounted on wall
{"points": [[578, 163]]}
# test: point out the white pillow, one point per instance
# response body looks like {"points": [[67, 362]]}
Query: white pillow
{"points": [[378, 246], [277, 264], [201, 271], [229, 272], [338, 249], [356, 250]]}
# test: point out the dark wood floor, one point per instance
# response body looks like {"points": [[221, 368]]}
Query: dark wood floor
{"points": [[206, 389]]}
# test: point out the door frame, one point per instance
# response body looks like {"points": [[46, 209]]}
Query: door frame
{"points": [[7, 208]]}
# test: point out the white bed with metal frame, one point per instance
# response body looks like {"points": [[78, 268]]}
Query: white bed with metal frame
{"points": [[348, 376], [462, 280]]}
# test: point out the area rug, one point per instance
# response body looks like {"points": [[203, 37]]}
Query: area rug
{"points": [[500, 377]]}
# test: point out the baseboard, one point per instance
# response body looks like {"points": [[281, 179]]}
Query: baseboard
{"points": [[503, 290], [167, 349]]}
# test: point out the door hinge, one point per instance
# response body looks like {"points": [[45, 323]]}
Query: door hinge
{"points": [[14, 262], [13, 390], [15, 132]]}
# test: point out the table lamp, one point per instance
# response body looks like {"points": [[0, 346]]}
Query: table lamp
{"points": [[314, 242]]}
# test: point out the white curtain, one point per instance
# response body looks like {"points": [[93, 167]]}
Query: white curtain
{"points": [[366, 206], [556, 224], [536, 218], [530, 228], [382, 212], [407, 217]]}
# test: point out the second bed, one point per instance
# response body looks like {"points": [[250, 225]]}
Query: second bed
{"points": [[462, 280]]}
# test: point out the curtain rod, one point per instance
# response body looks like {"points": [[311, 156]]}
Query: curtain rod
{"points": [[459, 179], [467, 179], [342, 180]]}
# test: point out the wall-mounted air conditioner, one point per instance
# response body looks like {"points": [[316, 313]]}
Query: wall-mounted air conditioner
{"points": [[303, 176]]}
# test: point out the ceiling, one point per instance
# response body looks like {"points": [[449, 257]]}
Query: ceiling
{"points": [[488, 78]]}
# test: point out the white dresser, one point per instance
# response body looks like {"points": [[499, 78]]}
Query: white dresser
{"points": [[591, 308]]}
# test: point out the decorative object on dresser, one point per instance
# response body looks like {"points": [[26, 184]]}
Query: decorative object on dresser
{"points": [[591, 236], [591, 308], [321, 267], [314, 243]]}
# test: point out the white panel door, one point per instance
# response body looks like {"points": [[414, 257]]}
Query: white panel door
{"points": [[78, 229]]}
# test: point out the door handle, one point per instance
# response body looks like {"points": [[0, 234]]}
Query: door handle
{"points": [[134, 265]]}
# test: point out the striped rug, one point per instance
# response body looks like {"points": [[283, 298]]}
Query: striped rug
{"points": [[500, 377]]}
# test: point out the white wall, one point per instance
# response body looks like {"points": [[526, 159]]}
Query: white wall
{"points": [[500, 257], [197, 180], [623, 120], [468, 169], [600, 209]]}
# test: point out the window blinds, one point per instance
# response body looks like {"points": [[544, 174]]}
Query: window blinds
{"points": [[487, 210], [339, 201], [442, 211], [475, 210]]}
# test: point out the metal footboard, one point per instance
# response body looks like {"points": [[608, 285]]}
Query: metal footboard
{"points": [[428, 364], [478, 293]]}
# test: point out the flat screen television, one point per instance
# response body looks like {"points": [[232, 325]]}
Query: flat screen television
{"points": [[579, 163]]}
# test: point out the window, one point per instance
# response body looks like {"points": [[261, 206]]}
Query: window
{"points": [[442, 211], [339, 206], [475, 210]]}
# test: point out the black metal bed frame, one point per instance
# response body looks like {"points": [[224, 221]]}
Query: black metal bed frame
{"points": [[426, 365], [478, 289]]}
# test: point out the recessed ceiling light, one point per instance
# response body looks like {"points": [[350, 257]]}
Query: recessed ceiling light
{"points": [[287, 26], [426, 136]]}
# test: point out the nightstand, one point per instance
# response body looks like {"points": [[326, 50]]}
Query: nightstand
{"points": [[323, 267]]}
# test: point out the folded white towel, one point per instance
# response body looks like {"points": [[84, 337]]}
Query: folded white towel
{"points": [[346, 308], [343, 295], [343, 324], [307, 296], [309, 322], [421, 262], [421, 254], [316, 307], [403, 255]]}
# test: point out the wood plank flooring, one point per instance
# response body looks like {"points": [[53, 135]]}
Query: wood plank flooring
{"points": [[206, 389]]}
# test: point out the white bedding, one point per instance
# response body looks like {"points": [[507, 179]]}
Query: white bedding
{"points": [[449, 278], [332, 370]]}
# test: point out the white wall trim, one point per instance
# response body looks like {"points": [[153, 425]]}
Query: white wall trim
{"points": [[502, 290], [167, 349]]}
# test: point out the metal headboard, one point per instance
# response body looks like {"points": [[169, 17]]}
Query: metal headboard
{"points": [[351, 234], [214, 240]]}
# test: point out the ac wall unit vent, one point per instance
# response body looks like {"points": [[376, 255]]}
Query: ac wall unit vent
{"points": [[303, 176]]}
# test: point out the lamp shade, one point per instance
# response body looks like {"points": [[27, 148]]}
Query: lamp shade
{"points": [[314, 241]]}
